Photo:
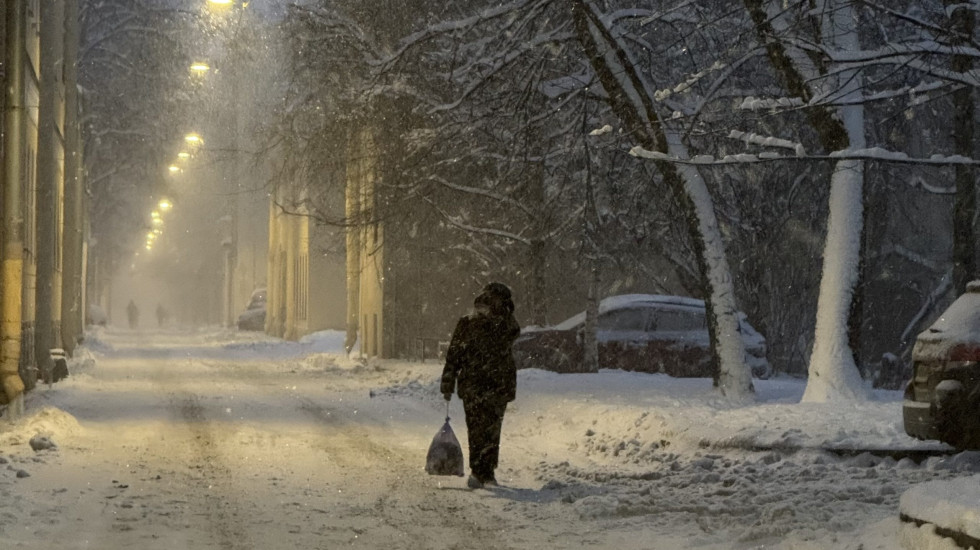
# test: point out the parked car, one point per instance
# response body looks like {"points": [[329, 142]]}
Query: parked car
{"points": [[942, 400], [253, 318], [638, 332]]}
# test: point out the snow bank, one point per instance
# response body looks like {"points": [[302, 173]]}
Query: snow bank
{"points": [[48, 422], [947, 504], [924, 537]]}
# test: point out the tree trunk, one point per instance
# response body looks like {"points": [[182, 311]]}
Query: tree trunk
{"points": [[357, 148], [632, 104], [590, 340], [964, 211], [833, 373], [537, 263]]}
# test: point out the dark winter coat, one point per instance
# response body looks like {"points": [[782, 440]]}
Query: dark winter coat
{"points": [[479, 362]]}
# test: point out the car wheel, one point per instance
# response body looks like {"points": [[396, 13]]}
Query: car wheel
{"points": [[948, 413], [970, 421]]}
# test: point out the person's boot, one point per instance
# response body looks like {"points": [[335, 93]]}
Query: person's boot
{"points": [[474, 483]]}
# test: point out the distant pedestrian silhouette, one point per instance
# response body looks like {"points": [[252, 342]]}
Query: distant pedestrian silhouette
{"points": [[161, 315], [133, 313]]}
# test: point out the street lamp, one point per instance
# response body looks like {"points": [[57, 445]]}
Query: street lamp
{"points": [[221, 5], [200, 68], [194, 138], [165, 204], [183, 155], [173, 168]]}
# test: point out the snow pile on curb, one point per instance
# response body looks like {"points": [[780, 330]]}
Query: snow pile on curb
{"points": [[624, 408], [49, 421], [935, 511]]}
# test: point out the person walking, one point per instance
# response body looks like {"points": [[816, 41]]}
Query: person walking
{"points": [[161, 315], [480, 368], [133, 313]]}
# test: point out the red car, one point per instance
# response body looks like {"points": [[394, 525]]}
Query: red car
{"points": [[638, 332]]}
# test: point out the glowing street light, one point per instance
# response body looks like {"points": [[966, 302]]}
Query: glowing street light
{"points": [[173, 168], [194, 138], [155, 215], [183, 155], [221, 5], [165, 204], [200, 68]]}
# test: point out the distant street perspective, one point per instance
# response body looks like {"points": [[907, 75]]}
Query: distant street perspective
{"points": [[211, 439], [489, 274]]}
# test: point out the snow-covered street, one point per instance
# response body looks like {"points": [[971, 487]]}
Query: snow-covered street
{"points": [[215, 439]]}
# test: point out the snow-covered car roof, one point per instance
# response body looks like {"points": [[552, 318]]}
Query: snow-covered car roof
{"points": [[958, 325], [624, 301]]}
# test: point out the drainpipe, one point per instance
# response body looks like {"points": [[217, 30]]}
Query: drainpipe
{"points": [[11, 274], [49, 150], [72, 312]]}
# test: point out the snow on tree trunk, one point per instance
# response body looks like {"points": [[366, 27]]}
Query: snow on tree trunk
{"points": [[631, 99], [833, 374], [734, 375]]}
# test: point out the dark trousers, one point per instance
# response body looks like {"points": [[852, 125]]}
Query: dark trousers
{"points": [[484, 419]]}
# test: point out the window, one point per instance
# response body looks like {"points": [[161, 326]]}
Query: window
{"points": [[623, 320], [677, 320]]}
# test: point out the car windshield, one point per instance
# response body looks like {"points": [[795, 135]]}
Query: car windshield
{"points": [[677, 320], [633, 319]]}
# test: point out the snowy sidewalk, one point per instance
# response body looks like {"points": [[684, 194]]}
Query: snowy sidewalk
{"points": [[690, 414]]}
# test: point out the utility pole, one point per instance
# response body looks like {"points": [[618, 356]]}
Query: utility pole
{"points": [[49, 185], [11, 275], [72, 312]]}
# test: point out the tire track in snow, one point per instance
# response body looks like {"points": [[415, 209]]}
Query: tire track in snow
{"points": [[210, 493], [218, 502]]}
